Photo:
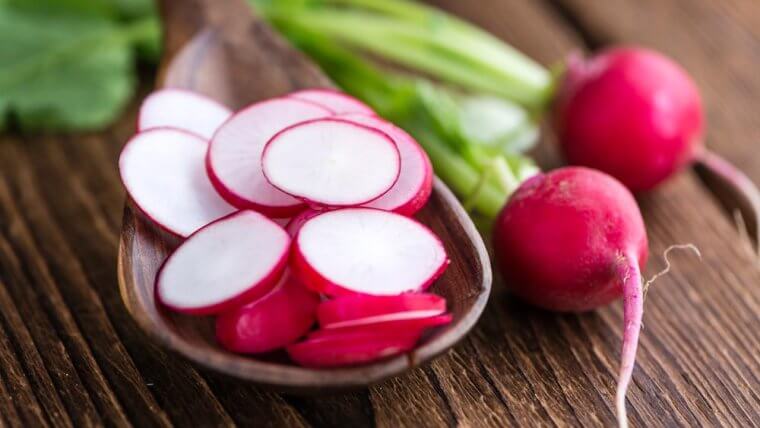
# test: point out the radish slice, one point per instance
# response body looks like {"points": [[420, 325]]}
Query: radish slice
{"points": [[349, 349], [294, 225], [367, 251], [271, 322], [409, 326], [162, 170], [335, 101], [361, 309], [228, 263], [234, 156], [181, 109], [332, 162], [415, 182]]}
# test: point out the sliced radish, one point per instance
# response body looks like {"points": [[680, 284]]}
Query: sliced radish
{"points": [[335, 101], [409, 326], [362, 309], [277, 319], [415, 182], [230, 262], [234, 156], [294, 225], [182, 109], [332, 162], [162, 170], [367, 251], [349, 349]]}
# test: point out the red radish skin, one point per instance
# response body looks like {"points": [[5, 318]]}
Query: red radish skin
{"points": [[358, 308], [349, 349], [233, 162], [294, 225], [415, 182], [164, 161], [335, 101], [400, 326], [223, 265], [366, 251], [271, 322], [631, 113], [573, 240], [182, 109], [331, 162]]}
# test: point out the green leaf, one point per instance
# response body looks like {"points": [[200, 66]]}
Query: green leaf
{"points": [[63, 70]]}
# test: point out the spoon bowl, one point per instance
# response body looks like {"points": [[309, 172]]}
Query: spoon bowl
{"points": [[224, 52]]}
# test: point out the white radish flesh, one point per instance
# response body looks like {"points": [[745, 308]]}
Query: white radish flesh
{"points": [[367, 251], [332, 162], [182, 109], [226, 264], [162, 170], [271, 322], [335, 101], [415, 182], [234, 156]]}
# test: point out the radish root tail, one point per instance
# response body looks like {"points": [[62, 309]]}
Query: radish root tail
{"points": [[634, 291], [665, 254]]}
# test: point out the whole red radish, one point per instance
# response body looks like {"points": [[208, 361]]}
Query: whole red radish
{"points": [[573, 240], [630, 112]]}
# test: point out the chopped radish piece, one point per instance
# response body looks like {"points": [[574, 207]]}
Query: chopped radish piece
{"points": [[362, 309], [388, 326], [182, 109], [234, 156], [415, 182], [271, 322], [228, 263], [349, 349], [332, 162], [294, 225], [335, 101], [162, 170], [367, 251]]}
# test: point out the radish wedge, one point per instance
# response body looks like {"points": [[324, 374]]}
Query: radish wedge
{"points": [[234, 156], [362, 309], [409, 326], [349, 349], [294, 225], [162, 170], [181, 109], [415, 182], [332, 162], [228, 263], [271, 322], [367, 251], [335, 101]]}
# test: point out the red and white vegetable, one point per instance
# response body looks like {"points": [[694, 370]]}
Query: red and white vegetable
{"points": [[415, 181], [331, 162], [349, 349], [363, 309], [278, 319], [162, 170], [234, 155], [573, 240], [368, 251], [181, 109], [226, 264]]}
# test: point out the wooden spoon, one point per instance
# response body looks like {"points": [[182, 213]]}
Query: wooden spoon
{"points": [[220, 49]]}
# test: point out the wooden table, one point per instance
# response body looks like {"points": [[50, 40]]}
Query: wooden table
{"points": [[71, 355]]}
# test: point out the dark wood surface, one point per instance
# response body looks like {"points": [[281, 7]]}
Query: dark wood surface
{"points": [[70, 354]]}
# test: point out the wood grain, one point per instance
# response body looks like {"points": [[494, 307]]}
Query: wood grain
{"points": [[698, 362]]}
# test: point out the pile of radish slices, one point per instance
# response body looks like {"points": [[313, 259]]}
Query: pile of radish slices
{"points": [[295, 210]]}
